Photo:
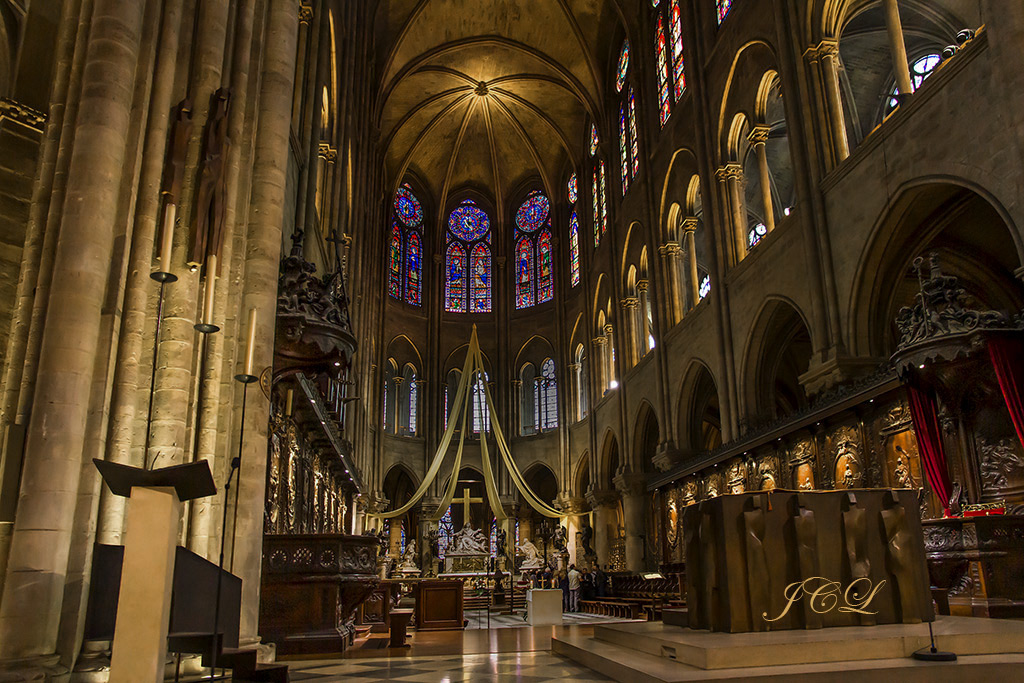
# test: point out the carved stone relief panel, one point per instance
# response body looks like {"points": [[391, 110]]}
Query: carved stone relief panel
{"points": [[802, 463]]}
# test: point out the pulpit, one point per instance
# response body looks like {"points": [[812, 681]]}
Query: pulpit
{"points": [[312, 584], [779, 560]]}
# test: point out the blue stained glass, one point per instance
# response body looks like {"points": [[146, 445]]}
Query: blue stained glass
{"points": [[408, 207], [445, 531], [480, 280], [594, 141], [573, 189], [533, 214], [723, 9], [413, 268], [524, 273], [455, 281], [468, 222]]}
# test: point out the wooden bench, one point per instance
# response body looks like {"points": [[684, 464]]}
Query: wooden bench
{"points": [[611, 608]]}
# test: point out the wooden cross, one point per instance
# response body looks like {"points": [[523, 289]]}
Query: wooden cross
{"points": [[465, 502]]}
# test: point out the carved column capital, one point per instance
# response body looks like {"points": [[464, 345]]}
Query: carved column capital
{"points": [[642, 286], [305, 14], [608, 329], [758, 135], [630, 483], [731, 171], [600, 341], [602, 497], [327, 153], [826, 48], [629, 302]]}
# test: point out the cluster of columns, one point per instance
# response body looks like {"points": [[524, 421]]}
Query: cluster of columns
{"points": [[77, 382]]}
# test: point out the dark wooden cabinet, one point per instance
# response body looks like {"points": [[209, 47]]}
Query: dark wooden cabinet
{"points": [[439, 605]]}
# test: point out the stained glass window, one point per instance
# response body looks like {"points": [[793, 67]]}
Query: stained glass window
{"points": [[524, 272], [445, 531], [675, 25], [635, 148], [593, 139], [921, 69], [597, 211], [723, 9], [661, 60], [756, 234], [468, 222], [481, 413], [468, 281], [494, 537], [573, 190], [401, 539], [604, 201], [407, 207], [705, 287], [547, 417], [413, 403], [405, 231], [655, 3], [545, 268], [395, 262], [574, 250], [623, 149], [413, 268], [455, 280], [533, 213], [623, 67], [480, 280]]}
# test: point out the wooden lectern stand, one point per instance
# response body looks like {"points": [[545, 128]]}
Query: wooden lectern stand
{"points": [[144, 601]]}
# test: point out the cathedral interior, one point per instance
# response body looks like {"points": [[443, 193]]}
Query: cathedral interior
{"points": [[432, 290]]}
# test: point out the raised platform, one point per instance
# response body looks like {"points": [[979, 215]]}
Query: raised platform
{"points": [[655, 651]]}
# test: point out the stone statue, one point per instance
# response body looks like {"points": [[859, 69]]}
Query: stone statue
{"points": [[848, 468], [469, 541], [586, 534], [559, 539], [499, 543], [432, 541], [409, 558], [382, 538], [532, 559]]}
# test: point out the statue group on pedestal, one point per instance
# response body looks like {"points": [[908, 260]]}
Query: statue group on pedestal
{"points": [[468, 541]]}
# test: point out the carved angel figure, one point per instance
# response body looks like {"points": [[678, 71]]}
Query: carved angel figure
{"points": [[532, 559]]}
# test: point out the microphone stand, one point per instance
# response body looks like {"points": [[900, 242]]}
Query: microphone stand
{"points": [[236, 464]]}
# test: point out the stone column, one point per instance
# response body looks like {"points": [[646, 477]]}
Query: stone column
{"points": [[516, 409], [670, 252], [632, 486], [395, 537], [690, 234], [573, 508], [631, 326], [262, 262], [828, 52], [395, 411], [730, 176], [758, 137], [600, 364], [609, 356], [897, 47], [645, 321], [34, 587], [602, 502], [574, 390]]}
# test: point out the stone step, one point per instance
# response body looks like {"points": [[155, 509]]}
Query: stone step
{"points": [[629, 666], [705, 650]]}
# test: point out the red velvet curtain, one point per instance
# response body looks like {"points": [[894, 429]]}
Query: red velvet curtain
{"points": [[925, 415], [1007, 357]]}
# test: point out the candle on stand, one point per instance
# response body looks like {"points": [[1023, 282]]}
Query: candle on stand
{"points": [[288, 403], [250, 349], [168, 237], [211, 284]]}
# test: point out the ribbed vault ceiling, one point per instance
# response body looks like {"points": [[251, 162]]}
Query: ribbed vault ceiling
{"points": [[489, 93]]}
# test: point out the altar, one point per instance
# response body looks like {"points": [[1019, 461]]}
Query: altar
{"points": [[468, 552]]}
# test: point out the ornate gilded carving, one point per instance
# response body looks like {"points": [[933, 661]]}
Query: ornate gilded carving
{"points": [[735, 477], [1001, 464], [711, 486], [846, 457], [689, 494]]}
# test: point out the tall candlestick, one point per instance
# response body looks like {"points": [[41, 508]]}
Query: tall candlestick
{"points": [[211, 285], [288, 403], [250, 349], [170, 212]]}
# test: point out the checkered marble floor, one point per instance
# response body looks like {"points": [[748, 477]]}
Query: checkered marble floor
{"points": [[526, 667]]}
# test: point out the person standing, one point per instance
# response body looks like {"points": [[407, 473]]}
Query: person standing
{"points": [[574, 589], [563, 583]]}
